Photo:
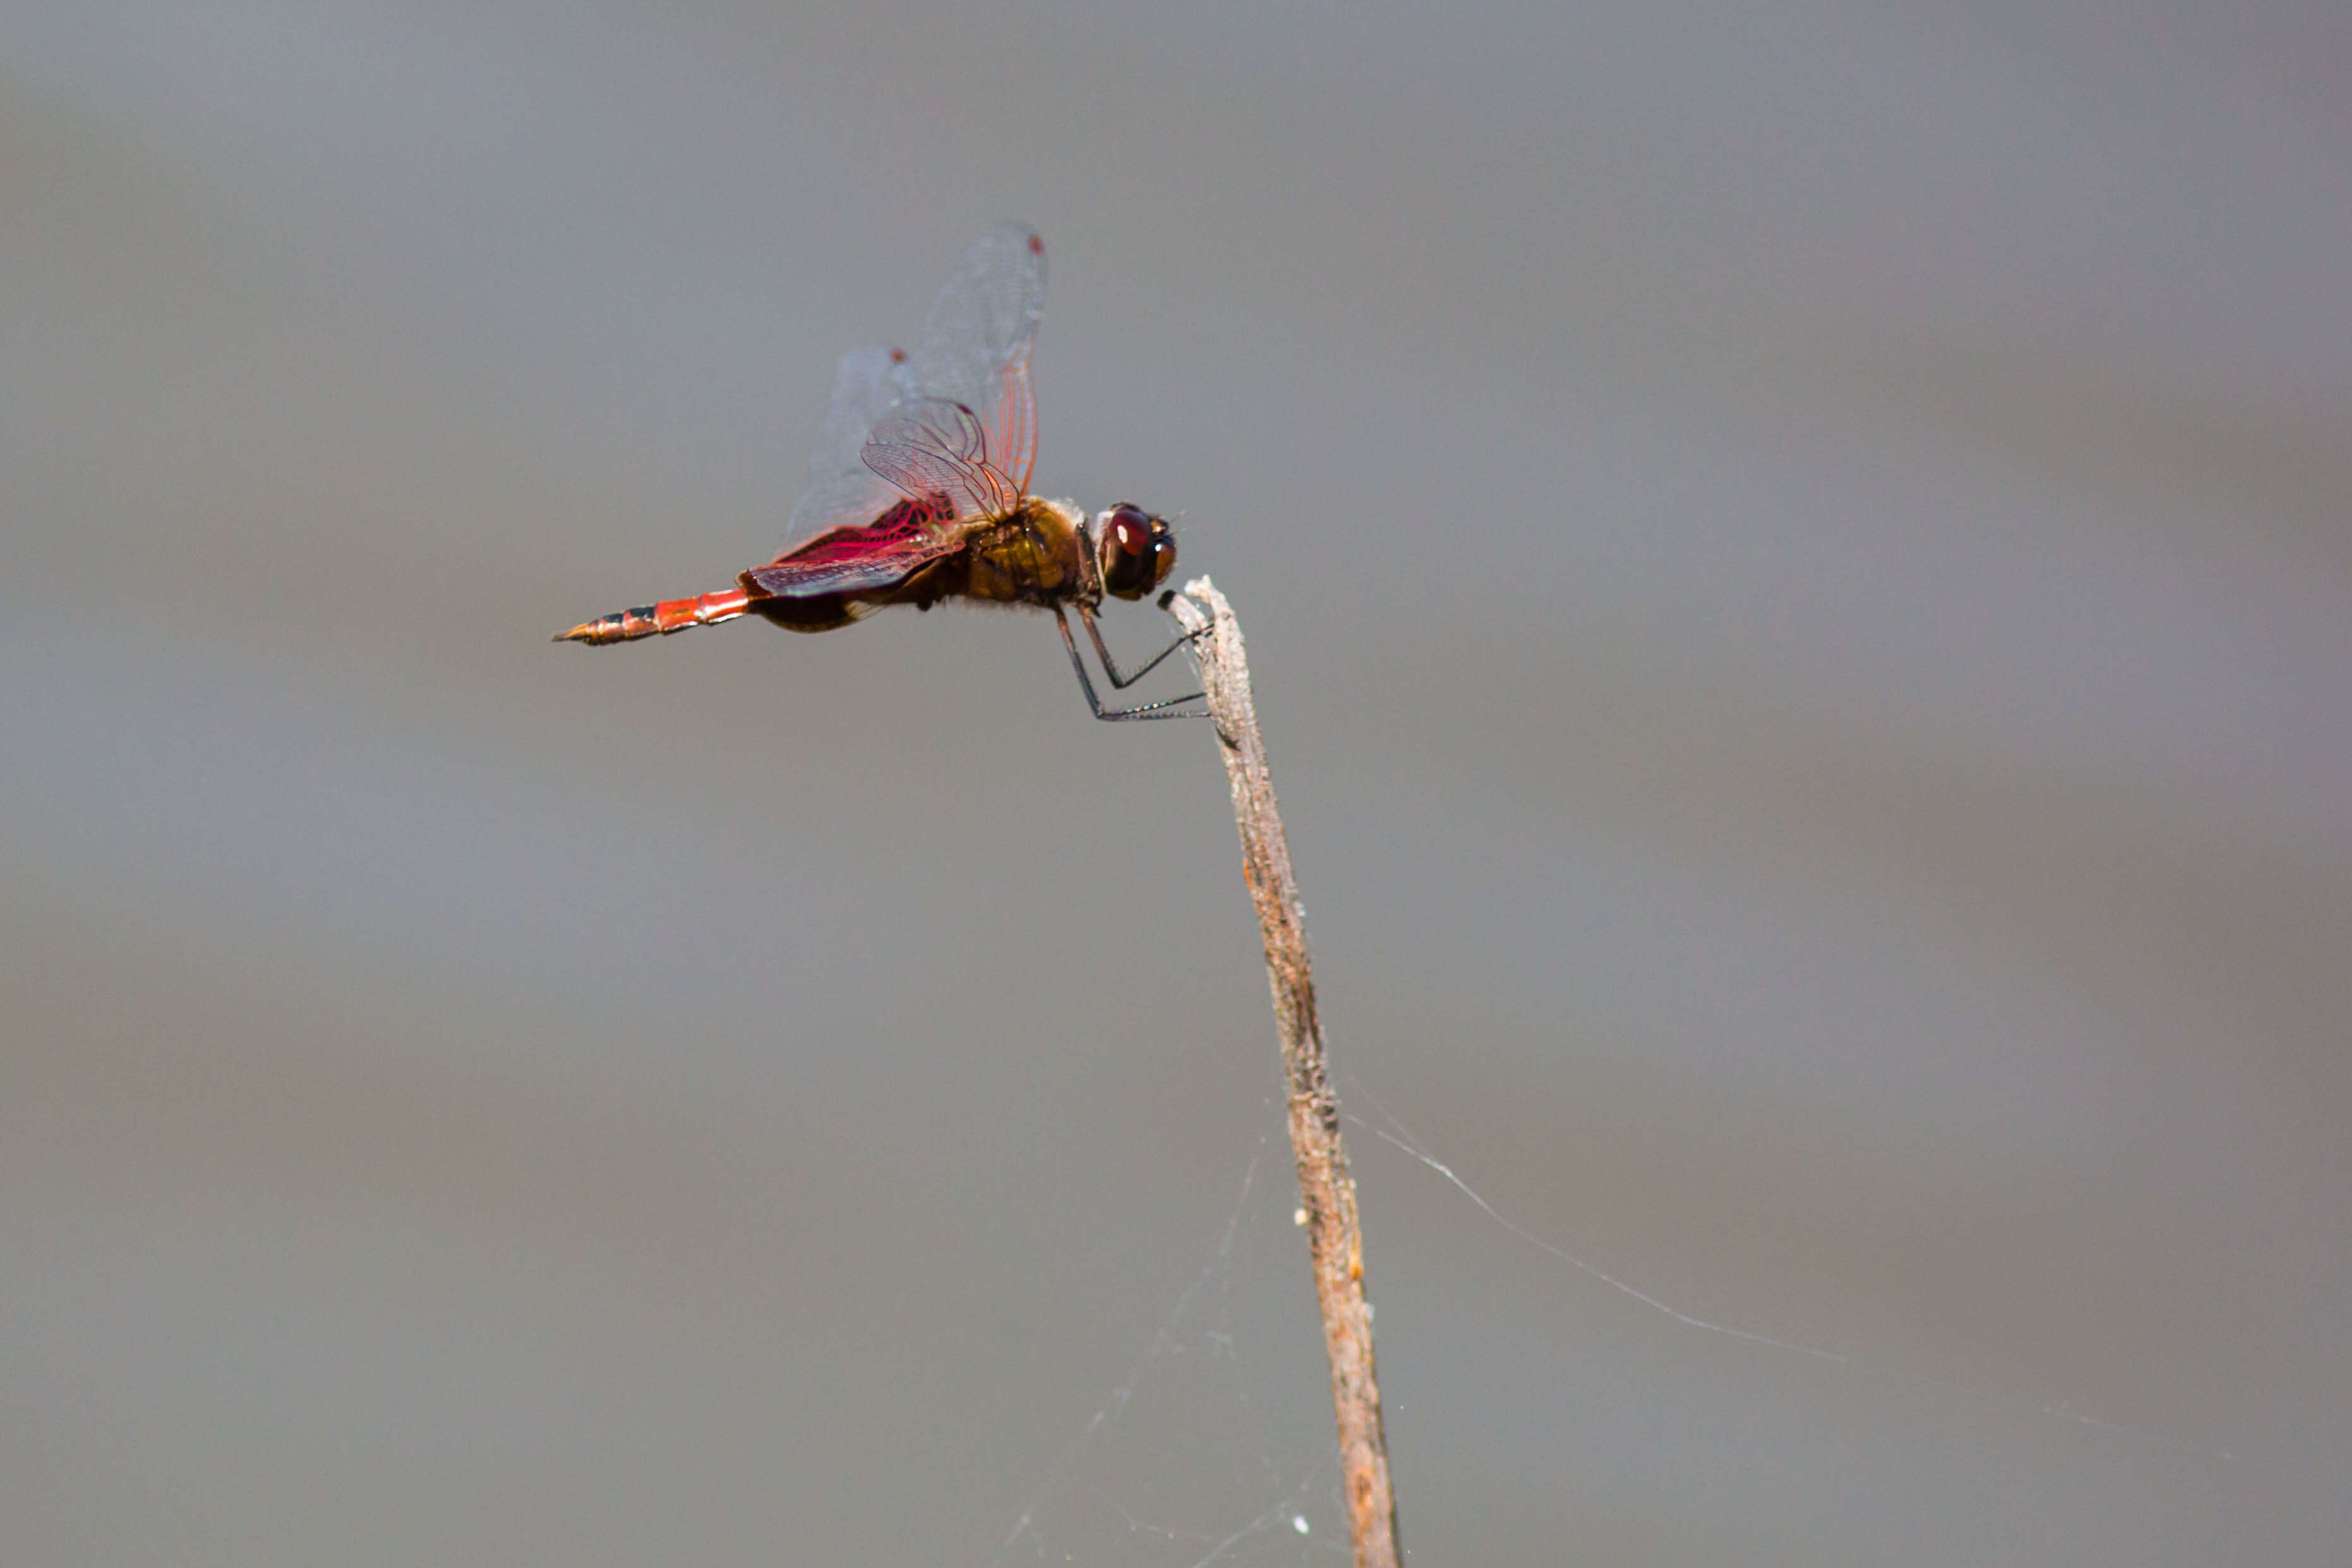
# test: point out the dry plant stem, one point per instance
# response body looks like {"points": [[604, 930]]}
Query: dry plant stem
{"points": [[1329, 1192]]}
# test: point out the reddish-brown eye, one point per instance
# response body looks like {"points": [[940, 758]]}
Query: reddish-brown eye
{"points": [[1163, 559], [1127, 550], [1132, 528]]}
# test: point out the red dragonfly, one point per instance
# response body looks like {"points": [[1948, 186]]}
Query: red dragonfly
{"points": [[919, 492]]}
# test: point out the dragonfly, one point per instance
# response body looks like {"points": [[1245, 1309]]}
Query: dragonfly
{"points": [[919, 493]]}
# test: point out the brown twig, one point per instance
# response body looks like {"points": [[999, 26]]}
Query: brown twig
{"points": [[1330, 1192]]}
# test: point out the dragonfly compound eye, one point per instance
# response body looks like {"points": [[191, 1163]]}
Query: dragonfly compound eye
{"points": [[1128, 552]]}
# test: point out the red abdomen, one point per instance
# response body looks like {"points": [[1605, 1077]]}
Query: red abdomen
{"points": [[659, 620]]}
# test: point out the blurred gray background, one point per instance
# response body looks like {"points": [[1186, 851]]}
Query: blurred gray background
{"points": [[1797, 568]]}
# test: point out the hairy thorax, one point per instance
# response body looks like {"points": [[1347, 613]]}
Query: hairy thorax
{"points": [[1033, 555]]}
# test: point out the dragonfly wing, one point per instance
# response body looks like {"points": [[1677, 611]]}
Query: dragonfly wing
{"points": [[975, 353], [844, 501], [863, 558], [1012, 433], [842, 489], [986, 317], [977, 339], [933, 446]]}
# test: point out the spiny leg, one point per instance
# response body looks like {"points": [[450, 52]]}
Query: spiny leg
{"points": [[1087, 684], [1110, 665]]}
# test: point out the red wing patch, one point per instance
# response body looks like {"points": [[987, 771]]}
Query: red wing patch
{"points": [[864, 558]]}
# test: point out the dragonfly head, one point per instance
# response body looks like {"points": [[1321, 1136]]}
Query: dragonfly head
{"points": [[1138, 552]]}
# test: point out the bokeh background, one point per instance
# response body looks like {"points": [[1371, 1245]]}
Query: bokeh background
{"points": [[1796, 562]]}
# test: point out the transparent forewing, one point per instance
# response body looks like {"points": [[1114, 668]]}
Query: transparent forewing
{"points": [[870, 381], [985, 320], [842, 489], [1012, 433], [976, 343], [844, 501], [975, 353], [933, 446]]}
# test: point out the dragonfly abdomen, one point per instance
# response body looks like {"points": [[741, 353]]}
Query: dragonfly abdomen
{"points": [[660, 620]]}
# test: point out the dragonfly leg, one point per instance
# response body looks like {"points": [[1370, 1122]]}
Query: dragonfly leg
{"points": [[1169, 709], [1110, 665]]}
